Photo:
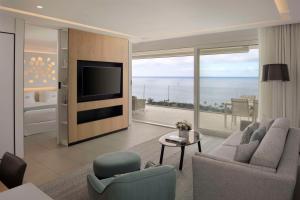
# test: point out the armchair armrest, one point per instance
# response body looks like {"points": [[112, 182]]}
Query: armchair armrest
{"points": [[217, 179], [98, 185]]}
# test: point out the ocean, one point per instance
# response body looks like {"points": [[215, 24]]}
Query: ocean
{"points": [[213, 91]]}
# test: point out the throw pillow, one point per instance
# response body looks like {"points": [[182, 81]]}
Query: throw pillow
{"points": [[270, 151], [258, 134], [266, 123], [247, 133], [150, 164], [244, 152]]}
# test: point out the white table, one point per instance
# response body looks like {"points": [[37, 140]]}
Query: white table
{"points": [[26, 191]]}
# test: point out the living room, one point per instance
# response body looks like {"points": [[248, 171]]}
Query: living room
{"points": [[204, 108]]}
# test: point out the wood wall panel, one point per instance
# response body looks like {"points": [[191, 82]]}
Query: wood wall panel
{"points": [[99, 104], [95, 128], [95, 47]]}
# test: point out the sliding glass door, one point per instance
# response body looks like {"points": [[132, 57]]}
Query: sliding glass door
{"points": [[162, 90], [214, 89], [228, 88]]}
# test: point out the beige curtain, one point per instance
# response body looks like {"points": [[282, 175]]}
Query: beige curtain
{"points": [[281, 44]]}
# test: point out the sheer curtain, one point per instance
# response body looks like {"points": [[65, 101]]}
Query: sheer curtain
{"points": [[281, 44]]}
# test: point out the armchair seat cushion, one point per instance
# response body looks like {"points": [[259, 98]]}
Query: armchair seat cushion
{"points": [[110, 164]]}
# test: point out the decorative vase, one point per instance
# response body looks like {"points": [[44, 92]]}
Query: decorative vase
{"points": [[183, 133]]}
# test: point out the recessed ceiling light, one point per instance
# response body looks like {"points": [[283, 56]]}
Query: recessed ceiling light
{"points": [[283, 8], [39, 7]]}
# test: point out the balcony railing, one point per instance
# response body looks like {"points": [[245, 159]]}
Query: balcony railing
{"points": [[167, 100], [211, 119]]}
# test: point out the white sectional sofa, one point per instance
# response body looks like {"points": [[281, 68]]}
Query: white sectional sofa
{"points": [[271, 173]]}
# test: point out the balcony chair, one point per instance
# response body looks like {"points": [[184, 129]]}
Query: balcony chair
{"points": [[254, 111], [138, 104], [12, 170], [239, 108], [250, 98]]}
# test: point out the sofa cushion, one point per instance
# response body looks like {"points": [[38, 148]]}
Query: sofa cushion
{"points": [[244, 152], [270, 150], [246, 136], [247, 133], [234, 139], [282, 123], [266, 123], [224, 151], [258, 134]]}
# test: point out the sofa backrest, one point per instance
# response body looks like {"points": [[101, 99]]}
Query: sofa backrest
{"points": [[270, 150], [288, 165]]}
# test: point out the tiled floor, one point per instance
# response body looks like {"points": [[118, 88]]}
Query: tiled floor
{"points": [[47, 161]]}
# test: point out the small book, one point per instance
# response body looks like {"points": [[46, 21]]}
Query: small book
{"points": [[176, 139]]}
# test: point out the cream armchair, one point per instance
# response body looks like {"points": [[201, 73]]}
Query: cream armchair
{"points": [[138, 104]]}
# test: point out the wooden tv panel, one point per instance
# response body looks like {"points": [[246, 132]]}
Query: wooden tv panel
{"points": [[95, 47]]}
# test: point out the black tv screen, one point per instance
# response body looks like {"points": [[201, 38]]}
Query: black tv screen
{"points": [[99, 80]]}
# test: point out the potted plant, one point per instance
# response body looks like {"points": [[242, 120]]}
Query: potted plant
{"points": [[184, 127]]}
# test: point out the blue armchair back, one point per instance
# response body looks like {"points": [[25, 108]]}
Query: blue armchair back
{"points": [[158, 183]]}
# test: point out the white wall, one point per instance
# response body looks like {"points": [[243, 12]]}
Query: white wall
{"points": [[40, 70], [40, 39], [7, 23], [13, 25], [40, 57], [19, 87], [130, 81], [205, 41], [7, 43]]}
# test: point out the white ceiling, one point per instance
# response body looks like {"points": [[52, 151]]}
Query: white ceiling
{"points": [[145, 20]]}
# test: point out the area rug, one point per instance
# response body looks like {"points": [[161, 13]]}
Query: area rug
{"points": [[74, 185]]}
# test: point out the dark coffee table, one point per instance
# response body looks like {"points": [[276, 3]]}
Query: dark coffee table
{"points": [[194, 137]]}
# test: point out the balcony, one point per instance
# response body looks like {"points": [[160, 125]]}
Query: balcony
{"points": [[212, 123]]}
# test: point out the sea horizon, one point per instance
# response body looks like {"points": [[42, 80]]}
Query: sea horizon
{"points": [[213, 90]]}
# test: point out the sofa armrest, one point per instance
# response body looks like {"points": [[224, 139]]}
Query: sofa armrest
{"points": [[216, 179]]}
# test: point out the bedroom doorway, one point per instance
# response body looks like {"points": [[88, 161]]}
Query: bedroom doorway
{"points": [[40, 88]]}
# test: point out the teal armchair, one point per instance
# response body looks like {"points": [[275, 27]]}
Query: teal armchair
{"points": [[157, 183]]}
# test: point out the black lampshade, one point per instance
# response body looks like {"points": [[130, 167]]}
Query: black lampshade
{"points": [[273, 72]]}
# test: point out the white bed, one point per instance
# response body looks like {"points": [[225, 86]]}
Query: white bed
{"points": [[40, 112]]}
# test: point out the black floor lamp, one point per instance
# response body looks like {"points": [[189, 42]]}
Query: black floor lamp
{"points": [[277, 72]]}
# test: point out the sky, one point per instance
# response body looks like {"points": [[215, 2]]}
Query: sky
{"points": [[220, 65]]}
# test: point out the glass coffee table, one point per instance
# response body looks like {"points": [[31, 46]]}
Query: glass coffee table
{"points": [[193, 138]]}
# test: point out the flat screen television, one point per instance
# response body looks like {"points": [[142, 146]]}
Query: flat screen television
{"points": [[99, 80]]}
